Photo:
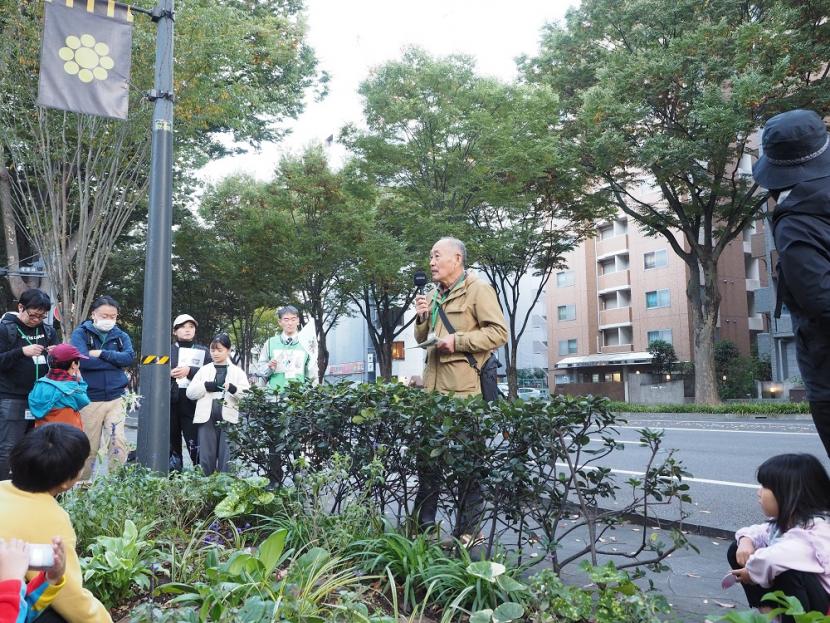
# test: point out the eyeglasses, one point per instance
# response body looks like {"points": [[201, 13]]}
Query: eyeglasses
{"points": [[36, 315]]}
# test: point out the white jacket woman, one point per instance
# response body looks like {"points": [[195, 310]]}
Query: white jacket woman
{"points": [[204, 399]]}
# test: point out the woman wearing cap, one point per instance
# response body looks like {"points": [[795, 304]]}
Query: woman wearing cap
{"points": [[795, 167], [188, 357], [61, 394]]}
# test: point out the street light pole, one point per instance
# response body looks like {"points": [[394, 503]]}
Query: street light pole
{"points": [[154, 421]]}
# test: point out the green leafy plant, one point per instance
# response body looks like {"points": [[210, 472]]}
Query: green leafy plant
{"points": [[119, 566], [614, 597], [789, 606], [246, 495]]}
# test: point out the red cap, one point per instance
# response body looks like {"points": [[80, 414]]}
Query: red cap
{"points": [[65, 352]]}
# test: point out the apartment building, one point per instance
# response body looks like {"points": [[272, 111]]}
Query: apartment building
{"points": [[623, 290]]}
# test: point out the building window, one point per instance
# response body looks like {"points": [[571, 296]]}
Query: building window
{"points": [[566, 312], [567, 347], [655, 259], [663, 335], [657, 298], [565, 279], [398, 352], [562, 379]]}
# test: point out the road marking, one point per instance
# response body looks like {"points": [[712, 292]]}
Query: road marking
{"points": [[705, 481], [718, 430]]}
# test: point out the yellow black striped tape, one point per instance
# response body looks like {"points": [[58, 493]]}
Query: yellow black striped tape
{"points": [[147, 360]]}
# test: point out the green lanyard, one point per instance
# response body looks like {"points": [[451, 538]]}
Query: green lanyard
{"points": [[29, 342], [438, 300]]}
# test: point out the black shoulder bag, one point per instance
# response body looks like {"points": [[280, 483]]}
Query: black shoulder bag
{"points": [[488, 374]]}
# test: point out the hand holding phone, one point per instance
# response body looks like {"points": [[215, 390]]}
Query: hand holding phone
{"points": [[54, 574], [14, 559], [41, 556]]}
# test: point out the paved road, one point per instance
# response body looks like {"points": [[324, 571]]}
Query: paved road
{"points": [[722, 453]]}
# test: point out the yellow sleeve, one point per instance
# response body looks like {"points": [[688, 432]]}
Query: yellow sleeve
{"points": [[73, 602]]}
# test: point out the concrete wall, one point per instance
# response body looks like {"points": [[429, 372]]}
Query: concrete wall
{"points": [[614, 391], [641, 390]]}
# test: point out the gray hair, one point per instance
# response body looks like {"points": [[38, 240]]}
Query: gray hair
{"points": [[288, 309], [459, 246]]}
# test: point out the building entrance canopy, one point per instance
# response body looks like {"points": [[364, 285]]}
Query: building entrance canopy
{"points": [[611, 359]]}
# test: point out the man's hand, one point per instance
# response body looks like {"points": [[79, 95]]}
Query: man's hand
{"points": [[446, 344], [14, 559], [421, 307], [180, 372], [273, 363], [745, 550], [95, 353], [49, 349], [33, 350], [56, 571], [743, 576]]}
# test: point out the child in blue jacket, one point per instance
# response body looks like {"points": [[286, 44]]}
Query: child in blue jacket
{"points": [[61, 394]]}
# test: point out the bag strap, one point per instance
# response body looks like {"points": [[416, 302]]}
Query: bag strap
{"points": [[450, 329]]}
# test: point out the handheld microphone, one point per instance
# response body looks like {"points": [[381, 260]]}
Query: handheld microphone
{"points": [[420, 280]]}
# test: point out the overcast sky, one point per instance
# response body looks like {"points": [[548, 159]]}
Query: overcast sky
{"points": [[351, 37]]}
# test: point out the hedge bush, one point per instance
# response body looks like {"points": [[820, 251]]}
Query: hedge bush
{"points": [[740, 408]]}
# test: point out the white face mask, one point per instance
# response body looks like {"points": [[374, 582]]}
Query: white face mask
{"points": [[103, 325]]}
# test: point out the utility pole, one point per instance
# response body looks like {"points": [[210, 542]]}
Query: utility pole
{"points": [[154, 420]]}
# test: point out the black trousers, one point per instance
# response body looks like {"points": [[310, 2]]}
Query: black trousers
{"points": [[181, 424], [820, 410], [13, 426], [470, 503], [806, 587]]}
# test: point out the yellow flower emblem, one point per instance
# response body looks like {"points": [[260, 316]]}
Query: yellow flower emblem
{"points": [[86, 58]]}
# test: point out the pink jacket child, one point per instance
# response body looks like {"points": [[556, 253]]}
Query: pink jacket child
{"points": [[790, 552], [800, 549]]}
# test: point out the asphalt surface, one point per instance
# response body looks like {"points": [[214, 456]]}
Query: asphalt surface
{"points": [[722, 453]]}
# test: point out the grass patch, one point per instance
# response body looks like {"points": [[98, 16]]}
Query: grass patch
{"points": [[741, 408]]}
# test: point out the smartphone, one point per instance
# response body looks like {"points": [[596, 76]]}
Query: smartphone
{"points": [[41, 556]]}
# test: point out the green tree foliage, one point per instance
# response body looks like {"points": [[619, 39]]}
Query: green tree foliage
{"points": [[240, 69], [662, 98], [474, 158], [663, 357], [304, 224], [737, 374], [217, 267]]}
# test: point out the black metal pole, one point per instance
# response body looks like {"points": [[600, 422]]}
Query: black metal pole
{"points": [[154, 420]]}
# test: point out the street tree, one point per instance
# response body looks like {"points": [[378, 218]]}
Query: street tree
{"points": [[240, 70], [474, 158], [305, 221], [218, 267], [662, 99]]}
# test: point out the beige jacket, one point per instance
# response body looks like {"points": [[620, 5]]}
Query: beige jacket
{"points": [[474, 312]]}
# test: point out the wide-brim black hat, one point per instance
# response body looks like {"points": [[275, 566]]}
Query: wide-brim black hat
{"points": [[796, 148]]}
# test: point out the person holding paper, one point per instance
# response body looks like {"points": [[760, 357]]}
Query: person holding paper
{"points": [[24, 343], [187, 356]]}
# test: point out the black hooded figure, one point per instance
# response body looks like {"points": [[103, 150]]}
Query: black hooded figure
{"points": [[795, 167]]}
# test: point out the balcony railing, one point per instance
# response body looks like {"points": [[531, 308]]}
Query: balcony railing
{"points": [[620, 348], [612, 245], [616, 316], [614, 280]]}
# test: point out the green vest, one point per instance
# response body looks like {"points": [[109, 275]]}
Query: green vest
{"points": [[292, 363]]}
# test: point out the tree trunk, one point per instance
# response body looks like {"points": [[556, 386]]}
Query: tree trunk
{"points": [[384, 355], [322, 353], [510, 351], [705, 302], [18, 286]]}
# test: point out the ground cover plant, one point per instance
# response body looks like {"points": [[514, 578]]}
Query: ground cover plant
{"points": [[739, 408], [335, 542]]}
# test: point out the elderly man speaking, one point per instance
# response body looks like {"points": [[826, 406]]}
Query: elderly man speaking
{"points": [[474, 313], [471, 307]]}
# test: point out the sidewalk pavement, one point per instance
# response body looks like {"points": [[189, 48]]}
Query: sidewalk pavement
{"points": [[692, 583]]}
